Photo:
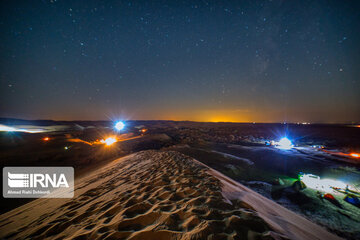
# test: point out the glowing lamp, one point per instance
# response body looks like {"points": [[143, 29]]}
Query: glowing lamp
{"points": [[355, 155], [46, 139], [119, 125], [284, 143]]}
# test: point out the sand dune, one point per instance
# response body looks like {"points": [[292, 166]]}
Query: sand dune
{"points": [[157, 195]]}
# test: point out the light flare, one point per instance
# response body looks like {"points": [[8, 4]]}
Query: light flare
{"points": [[109, 141], [119, 125], [284, 143]]}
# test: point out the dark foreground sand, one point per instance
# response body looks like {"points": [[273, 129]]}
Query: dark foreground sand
{"points": [[157, 195]]}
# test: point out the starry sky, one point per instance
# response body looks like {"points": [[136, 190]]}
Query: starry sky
{"points": [[240, 61]]}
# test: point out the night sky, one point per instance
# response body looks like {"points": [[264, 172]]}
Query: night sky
{"points": [[263, 61]]}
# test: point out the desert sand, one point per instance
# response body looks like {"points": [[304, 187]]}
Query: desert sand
{"points": [[157, 195]]}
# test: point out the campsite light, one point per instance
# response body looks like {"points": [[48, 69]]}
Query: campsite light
{"points": [[326, 185], [355, 155], [46, 139], [310, 180], [108, 141], [284, 143], [119, 125]]}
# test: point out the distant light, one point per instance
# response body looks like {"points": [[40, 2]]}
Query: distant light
{"points": [[318, 146], [66, 148], [4, 128], [108, 141], [119, 125], [356, 155], [46, 139], [284, 143]]}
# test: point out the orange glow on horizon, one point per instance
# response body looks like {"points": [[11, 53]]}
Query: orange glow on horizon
{"points": [[223, 116], [208, 114]]}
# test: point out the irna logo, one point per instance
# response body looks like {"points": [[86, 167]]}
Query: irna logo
{"points": [[34, 182], [23, 180]]}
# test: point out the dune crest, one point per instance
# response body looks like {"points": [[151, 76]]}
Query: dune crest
{"points": [[146, 195]]}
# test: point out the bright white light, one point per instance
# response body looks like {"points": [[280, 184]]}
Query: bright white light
{"points": [[311, 181], [119, 125], [4, 128], [284, 143], [325, 185]]}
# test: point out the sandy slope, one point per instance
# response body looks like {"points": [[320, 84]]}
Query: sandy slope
{"points": [[157, 195]]}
